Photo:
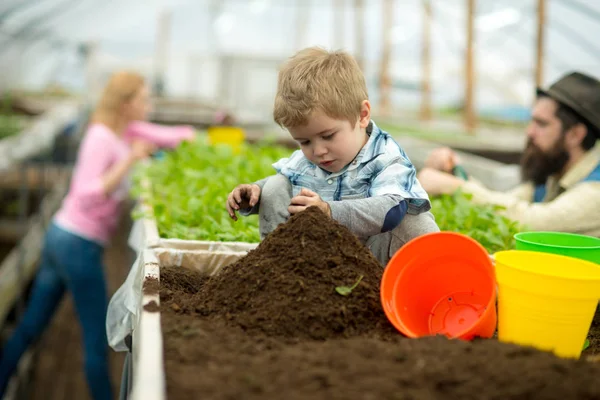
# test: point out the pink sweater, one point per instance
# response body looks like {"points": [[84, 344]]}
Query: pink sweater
{"points": [[86, 210]]}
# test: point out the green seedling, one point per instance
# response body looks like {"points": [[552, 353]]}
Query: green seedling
{"points": [[346, 290], [188, 188], [484, 223], [586, 344]]}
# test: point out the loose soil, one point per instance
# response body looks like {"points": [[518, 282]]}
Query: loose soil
{"points": [[152, 306], [151, 286], [593, 352], [221, 362], [272, 326]]}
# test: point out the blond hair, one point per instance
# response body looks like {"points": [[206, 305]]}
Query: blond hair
{"points": [[120, 89], [316, 79]]}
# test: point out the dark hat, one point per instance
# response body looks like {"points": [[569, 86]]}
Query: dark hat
{"points": [[579, 92]]}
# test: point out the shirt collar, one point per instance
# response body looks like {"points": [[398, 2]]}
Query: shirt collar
{"points": [[374, 147], [582, 168]]}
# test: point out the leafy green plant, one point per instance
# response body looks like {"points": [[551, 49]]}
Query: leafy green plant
{"points": [[189, 187], [10, 123], [483, 223], [346, 290], [586, 344]]}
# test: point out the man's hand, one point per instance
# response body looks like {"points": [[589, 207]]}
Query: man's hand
{"points": [[305, 199], [243, 196], [437, 182], [442, 159]]}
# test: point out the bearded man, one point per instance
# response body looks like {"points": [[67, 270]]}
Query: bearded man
{"points": [[560, 166]]}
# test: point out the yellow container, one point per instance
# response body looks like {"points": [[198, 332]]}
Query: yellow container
{"points": [[546, 300], [230, 135]]}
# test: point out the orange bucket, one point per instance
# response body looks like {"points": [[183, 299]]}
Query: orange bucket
{"points": [[441, 283]]}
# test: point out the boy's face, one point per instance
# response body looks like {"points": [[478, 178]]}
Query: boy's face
{"points": [[332, 143]]}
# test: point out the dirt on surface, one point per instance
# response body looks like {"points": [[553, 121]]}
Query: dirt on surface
{"points": [[255, 332], [592, 353], [152, 306], [151, 286], [222, 362]]}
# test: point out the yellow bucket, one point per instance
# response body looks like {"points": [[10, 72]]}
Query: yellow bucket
{"points": [[230, 135], [546, 300]]}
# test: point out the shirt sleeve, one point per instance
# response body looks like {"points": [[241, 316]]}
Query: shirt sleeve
{"points": [[400, 179], [575, 210], [161, 135], [370, 216], [394, 191], [523, 192]]}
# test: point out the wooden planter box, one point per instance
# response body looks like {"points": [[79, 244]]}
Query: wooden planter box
{"points": [[147, 348]]}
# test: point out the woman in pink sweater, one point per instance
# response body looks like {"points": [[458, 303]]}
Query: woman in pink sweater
{"points": [[116, 139]]}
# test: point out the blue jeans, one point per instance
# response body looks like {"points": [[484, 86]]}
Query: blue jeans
{"points": [[69, 262]]}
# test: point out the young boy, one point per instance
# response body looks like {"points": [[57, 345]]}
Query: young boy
{"points": [[348, 167]]}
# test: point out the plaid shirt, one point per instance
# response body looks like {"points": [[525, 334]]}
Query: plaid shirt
{"points": [[380, 168]]}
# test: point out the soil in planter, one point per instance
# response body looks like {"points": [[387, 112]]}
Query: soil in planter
{"points": [[229, 336], [218, 361], [286, 287], [593, 351]]}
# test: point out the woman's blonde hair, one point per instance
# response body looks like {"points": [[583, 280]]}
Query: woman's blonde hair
{"points": [[317, 79], [120, 89]]}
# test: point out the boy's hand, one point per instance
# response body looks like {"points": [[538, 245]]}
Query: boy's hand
{"points": [[305, 199], [243, 196]]}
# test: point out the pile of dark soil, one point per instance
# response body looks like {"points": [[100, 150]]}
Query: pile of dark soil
{"points": [[286, 287]]}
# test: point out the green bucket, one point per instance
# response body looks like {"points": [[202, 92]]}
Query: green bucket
{"points": [[566, 244]]}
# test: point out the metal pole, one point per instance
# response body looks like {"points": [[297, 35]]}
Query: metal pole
{"points": [[426, 63], [384, 76], [359, 32], [23, 209], [338, 24], [470, 70], [539, 59], [161, 52], [302, 19]]}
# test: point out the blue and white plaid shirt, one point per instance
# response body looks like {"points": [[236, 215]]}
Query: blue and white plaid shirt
{"points": [[380, 168]]}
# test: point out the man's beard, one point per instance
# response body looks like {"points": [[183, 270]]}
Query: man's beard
{"points": [[538, 165]]}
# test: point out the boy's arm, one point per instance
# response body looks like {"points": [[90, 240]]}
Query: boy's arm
{"points": [[254, 210], [370, 216], [387, 203]]}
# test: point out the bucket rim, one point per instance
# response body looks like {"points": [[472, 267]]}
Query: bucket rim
{"points": [[545, 273], [520, 237]]}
